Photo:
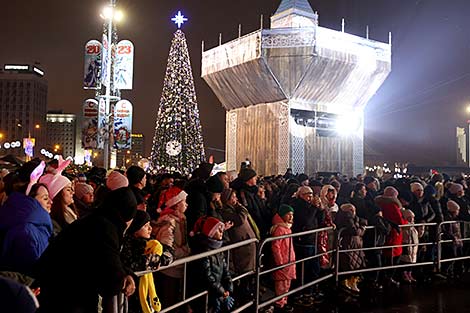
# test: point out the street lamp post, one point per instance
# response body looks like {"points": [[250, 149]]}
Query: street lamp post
{"points": [[108, 15], [468, 136]]}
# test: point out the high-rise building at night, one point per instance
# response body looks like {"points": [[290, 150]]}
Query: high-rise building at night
{"points": [[132, 156], [23, 105], [61, 133]]}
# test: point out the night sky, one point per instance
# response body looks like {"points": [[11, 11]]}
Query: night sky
{"points": [[412, 117]]}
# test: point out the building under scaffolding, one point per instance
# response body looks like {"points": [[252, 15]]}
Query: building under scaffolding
{"points": [[295, 94]]}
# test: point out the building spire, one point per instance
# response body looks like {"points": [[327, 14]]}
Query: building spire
{"points": [[299, 5], [294, 13]]}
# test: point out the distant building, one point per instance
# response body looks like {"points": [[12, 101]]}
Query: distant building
{"points": [[461, 146], [130, 157], [23, 105], [61, 133]]}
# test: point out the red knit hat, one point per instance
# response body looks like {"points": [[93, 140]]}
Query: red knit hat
{"points": [[173, 196], [207, 225]]}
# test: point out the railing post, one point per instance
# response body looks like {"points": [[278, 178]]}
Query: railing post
{"points": [[439, 248], [258, 272], [338, 243]]}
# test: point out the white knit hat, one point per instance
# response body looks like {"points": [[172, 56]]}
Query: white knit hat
{"points": [[416, 186]]}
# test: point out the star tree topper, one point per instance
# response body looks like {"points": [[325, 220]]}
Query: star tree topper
{"points": [[179, 19]]}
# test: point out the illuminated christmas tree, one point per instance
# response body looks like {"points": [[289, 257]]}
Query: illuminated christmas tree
{"points": [[178, 144]]}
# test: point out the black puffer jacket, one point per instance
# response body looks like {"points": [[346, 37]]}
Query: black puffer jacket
{"points": [[83, 261], [422, 210], [210, 273], [306, 217]]}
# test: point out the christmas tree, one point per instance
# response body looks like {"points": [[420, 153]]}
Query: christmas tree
{"points": [[178, 145]]}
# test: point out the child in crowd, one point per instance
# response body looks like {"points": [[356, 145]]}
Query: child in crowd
{"points": [[139, 253], [211, 273], [455, 248], [351, 238], [283, 253], [411, 235], [171, 231]]}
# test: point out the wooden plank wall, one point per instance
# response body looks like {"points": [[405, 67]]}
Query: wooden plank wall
{"points": [[328, 154], [258, 137]]}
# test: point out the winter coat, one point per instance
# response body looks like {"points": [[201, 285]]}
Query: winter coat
{"points": [[391, 210], [248, 196], [324, 240], [423, 211], [435, 205], [210, 273], [307, 217], [410, 236], [196, 200], [81, 208], [351, 238], [82, 263], [133, 257], [243, 257], [283, 249], [453, 231], [362, 210], [25, 230], [170, 230], [464, 213]]}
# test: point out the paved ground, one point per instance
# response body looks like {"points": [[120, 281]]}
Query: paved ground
{"points": [[437, 297]]}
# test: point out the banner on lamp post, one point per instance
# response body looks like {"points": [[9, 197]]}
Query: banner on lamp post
{"points": [[92, 70], [123, 125], [102, 124], [105, 62], [90, 124], [124, 65]]}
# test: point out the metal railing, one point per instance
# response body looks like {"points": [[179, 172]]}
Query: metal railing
{"points": [[118, 304], [339, 250], [185, 261], [261, 271]]}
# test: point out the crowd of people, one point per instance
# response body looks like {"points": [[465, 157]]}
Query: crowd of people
{"points": [[75, 241]]}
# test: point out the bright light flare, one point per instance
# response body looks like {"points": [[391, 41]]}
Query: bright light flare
{"points": [[107, 13], [467, 108], [348, 124], [118, 16]]}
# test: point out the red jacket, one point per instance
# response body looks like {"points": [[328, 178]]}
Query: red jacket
{"points": [[283, 249], [391, 210]]}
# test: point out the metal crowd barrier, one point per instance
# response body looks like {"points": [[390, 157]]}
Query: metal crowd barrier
{"points": [[463, 239], [118, 304], [338, 271], [303, 285], [184, 261]]}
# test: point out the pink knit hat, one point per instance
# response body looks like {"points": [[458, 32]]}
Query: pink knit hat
{"points": [[116, 180], [56, 182]]}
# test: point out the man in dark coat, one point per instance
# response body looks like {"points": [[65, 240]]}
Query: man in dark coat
{"points": [[197, 194], [307, 217], [84, 261], [247, 193]]}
